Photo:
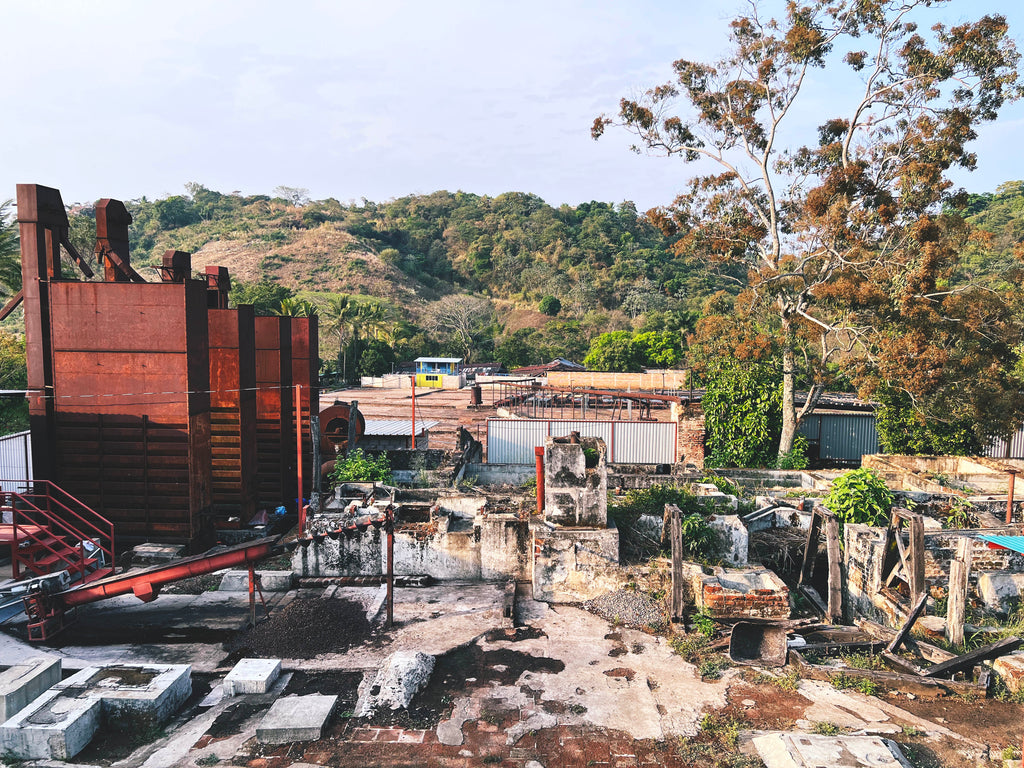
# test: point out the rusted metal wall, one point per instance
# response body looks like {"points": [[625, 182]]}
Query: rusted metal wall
{"points": [[275, 438], [131, 376], [233, 413], [306, 373]]}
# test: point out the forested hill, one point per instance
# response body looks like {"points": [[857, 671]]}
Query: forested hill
{"points": [[594, 256]]}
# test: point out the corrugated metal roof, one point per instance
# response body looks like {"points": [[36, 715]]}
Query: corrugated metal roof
{"points": [[438, 360], [1016, 543], [383, 427]]}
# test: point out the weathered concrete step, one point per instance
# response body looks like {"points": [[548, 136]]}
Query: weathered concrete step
{"points": [[26, 682], [53, 727], [296, 718]]}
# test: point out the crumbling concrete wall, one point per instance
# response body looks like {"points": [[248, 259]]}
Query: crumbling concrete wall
{"points": [[448, 548], [753, 592], [691, 435], [571, 564], [575, 494]]}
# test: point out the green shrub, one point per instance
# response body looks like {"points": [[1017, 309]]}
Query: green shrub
{"points": [[360, 467], [860, 496]]}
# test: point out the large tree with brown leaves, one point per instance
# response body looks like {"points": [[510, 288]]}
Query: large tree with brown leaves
{"points": [[845, 241]]}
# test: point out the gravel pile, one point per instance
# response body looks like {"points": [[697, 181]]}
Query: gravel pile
{"points": [[305, 628], [629, 607]]}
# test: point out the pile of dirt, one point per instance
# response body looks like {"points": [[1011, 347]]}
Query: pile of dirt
{"points": [[305, 628]]}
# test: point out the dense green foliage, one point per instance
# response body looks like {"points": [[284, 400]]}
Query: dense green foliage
{"points": [[903, 430], [10, 254], [624, 351], [700, 540], [743, 415], [860, 496], [360, 467]]}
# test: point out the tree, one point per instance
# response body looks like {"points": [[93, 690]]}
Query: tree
{"points": [[614, 351], [742, 414], [297, 196], [550, 305], [842, 238], [10, 250], [293, 307], [265, 297], [13, 375], [460, 317]]}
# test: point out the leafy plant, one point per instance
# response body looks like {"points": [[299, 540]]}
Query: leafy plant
{"points": [[361, 467], [795, 458], [742, 414], [704, 622], [860, 496], [823, 728], [960, 515], [842, 681], [711, 668]]}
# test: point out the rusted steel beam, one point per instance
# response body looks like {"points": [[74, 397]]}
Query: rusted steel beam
{"points": [[112, 220]]}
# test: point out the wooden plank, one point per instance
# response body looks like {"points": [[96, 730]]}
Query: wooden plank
{"points": [[835, 570], [814, 599], [959, 570], [900, 665], [968, 660], [810, 550], [908, 624]]}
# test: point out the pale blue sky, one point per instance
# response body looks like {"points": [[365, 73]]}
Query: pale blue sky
{"points": [[364, 99]]}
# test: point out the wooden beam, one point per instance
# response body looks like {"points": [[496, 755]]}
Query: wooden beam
{"points": [[917, 556], [676, 537], [835, 570], [968, 660], [908, 624], [810, 550], [12, 304]]}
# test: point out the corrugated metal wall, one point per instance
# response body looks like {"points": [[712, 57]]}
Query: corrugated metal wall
{"points": [[15, 460], [511, 441], [997, 448], [841, 436]]}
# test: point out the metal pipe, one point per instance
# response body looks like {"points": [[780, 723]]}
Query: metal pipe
{"points": [[300, 507], [391, 568], [538, 453], [1009, 497], [413, 444], [252, 595]]}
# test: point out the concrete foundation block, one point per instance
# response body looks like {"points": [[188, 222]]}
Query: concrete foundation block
{"points": [[157, 554], [296, 718], [53, 727], [1010, 669], [24, 683], [799, 750], [252, 676], [270, 581], [1000, 590], [132, 695]]}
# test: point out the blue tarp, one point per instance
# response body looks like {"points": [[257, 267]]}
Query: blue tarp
{"points": [[1016, 543]]}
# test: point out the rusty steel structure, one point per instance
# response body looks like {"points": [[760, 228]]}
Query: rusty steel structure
{"points": [[153, 402]]}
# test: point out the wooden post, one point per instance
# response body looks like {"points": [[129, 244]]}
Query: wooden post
{"points": [[810, 551], [835, 571], [916, 552], [391, 568], [959, 570], [676, 536]]}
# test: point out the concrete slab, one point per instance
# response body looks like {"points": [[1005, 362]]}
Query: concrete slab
{"points": [[404, 673], [53, 727], [1010, 669], [156, 554], [296, 718], [25, 682], [132, 694], [796, 750], [270, 581], [251, 676]]}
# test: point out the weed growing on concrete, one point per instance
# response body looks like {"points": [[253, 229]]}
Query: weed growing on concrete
{"points": [[1001, 692], [711, 668], [491, 759], [843, 681], [787, 682], [577, 709], [910, 732], [691, 647], [207, 760], [862, 660], [823, 728], [1010, 753]]}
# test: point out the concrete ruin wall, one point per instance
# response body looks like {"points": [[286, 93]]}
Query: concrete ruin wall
{"points": [[863, 566], [574, 494], [490, 547], [571, 565], [691, 436]]}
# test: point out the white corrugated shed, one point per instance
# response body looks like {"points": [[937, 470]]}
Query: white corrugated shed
{"points": [[396, 427]]}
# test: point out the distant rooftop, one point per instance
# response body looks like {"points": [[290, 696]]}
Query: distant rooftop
{"points": [[438, 360]]}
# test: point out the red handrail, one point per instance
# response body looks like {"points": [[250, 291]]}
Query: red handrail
{"points": [[96, 532]]}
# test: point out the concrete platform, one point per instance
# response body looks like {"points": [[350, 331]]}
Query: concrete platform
{"points": [[270, 581], [25, 682], [53, 727], [132, 694], [251, 676], [296, 718], [800, 750]]}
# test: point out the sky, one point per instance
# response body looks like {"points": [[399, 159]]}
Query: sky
{"points": [[371, 100]]}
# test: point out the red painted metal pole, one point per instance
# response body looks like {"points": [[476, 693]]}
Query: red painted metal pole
{"points": [[538, 453], [413, 377], [1009, 499], [252, 595], [391, 568], [301, 508]]}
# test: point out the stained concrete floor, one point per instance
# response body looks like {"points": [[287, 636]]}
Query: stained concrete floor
{"points": [[582, 687]]}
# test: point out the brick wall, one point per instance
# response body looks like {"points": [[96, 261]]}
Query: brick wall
{"points": [[691, 436]]}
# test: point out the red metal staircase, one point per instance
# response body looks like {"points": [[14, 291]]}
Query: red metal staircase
{"points": [[51, 530]]}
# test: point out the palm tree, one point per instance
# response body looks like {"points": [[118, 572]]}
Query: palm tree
{"points": [[293, 307], [340, 311]]}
